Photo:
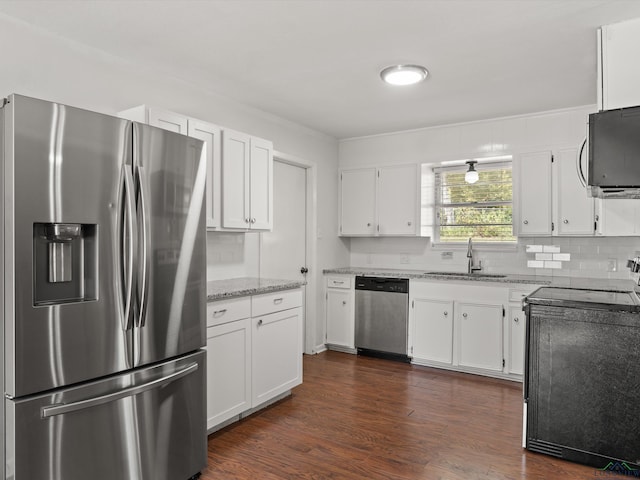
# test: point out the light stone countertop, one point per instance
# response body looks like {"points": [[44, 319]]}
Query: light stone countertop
{"points": [[566, 282], [240, 287]]}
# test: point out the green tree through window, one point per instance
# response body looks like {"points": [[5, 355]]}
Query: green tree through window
{"points": [[482, 211]]}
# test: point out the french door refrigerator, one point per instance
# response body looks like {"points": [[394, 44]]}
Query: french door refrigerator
{"points": [[103, 253]]}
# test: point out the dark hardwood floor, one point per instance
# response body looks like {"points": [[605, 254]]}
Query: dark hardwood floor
{"points": [[364, 418]]}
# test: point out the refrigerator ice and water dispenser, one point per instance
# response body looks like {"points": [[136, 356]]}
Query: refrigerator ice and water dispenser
{"points": [[65, 263]]}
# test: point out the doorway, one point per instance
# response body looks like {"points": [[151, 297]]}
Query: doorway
{"points": [[289, 249]]}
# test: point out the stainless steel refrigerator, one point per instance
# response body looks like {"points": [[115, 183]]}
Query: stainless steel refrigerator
{"points": [[103, 254]]}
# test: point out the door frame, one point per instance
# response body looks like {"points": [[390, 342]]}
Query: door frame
{"points": [[310, 304]]}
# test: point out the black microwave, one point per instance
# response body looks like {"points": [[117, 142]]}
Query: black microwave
{"points": [[614, 149]]}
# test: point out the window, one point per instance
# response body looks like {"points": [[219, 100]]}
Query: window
{"points": [[482, 211]]}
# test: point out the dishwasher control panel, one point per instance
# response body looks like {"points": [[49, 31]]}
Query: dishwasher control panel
{"points": [[383, 284]]}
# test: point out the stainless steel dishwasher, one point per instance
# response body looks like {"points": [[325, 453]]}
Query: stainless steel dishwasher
{"points": [[382, 305]]}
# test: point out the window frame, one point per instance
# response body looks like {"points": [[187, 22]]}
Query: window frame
{"points": [[437, 204]]}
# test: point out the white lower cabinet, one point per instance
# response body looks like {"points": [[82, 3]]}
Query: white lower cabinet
{"points": [[459, 326], [340, 313], [277, 354], [480, 336], [517, 335], [516, 329], [433, 330], [254, 352], [228, 371]]}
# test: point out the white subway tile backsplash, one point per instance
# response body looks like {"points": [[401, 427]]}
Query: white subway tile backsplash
{"points": [[551, 249], [544, 256], [584, 259], [552, 264], [535, 264]]}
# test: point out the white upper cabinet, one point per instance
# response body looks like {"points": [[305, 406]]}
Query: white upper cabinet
{"points": [[358, 206], [247, 182], [239, 169], [261, 184], [207, 132], [534, 188], [618, 70], [167, 120], [618, 217], [210, 134], [551, 198], [379, 201], [574, 209], [397, 200]]}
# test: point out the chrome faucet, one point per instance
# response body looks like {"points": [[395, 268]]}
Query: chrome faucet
{"points": [[470, 264]]}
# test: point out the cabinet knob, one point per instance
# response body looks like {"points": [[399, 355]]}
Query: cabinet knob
{"points": [[259, 322], [464, 315], [344, 302], [368, 224], [565, 221], [408, 224], [246, 220], [446, 313], [526, 222], [253, 220], [516, 319]]}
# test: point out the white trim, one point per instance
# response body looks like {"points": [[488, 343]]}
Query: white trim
{"points": [[484, 120], [313, 277]]}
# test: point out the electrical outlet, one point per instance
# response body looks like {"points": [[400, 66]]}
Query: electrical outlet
{"points": [[404, 258]]}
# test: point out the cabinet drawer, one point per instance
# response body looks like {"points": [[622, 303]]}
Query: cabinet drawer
{"points": [[228, 310], [339, 282], [275, 302]]}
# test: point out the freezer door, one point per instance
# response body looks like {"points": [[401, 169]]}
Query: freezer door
{"points": [[64, 203], [170, 174], [144, 425]]}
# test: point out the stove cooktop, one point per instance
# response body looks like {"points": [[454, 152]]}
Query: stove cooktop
{"points": [[614, 300]]}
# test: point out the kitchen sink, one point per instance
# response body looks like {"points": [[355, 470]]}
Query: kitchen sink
{"points": [[465, 275]]}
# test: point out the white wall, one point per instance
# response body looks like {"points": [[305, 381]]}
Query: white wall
{"points": [[39, 64], [590, 257]]}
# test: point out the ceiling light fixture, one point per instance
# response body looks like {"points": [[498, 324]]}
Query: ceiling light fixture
{"points": [[404, 74], [471, 176]]}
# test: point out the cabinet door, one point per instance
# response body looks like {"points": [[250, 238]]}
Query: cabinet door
{"points": [[534, 188], [433, 330], [168, 120], [358, 202], [340, 319], [261, 184], [480, 336], [210, 134], [619, 75], [277, 354], [517, 329], [228, 371], [236, 149], [575, 209], [397, 198], [617, 217]]}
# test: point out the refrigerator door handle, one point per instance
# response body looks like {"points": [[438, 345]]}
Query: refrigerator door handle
{"points": [[125, 275], [60, 409], [145, 256]]}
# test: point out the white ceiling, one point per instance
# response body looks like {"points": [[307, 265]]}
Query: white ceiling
{"points": [[316, 62]]}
